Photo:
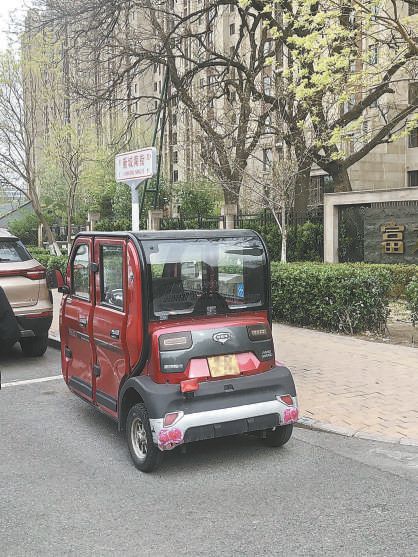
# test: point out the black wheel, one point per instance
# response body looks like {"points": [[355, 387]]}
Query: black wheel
{"points": [[34, 346], [145, 454], [278, 437]]}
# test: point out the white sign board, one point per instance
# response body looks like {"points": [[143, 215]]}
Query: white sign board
{"points": [[136, 166]]}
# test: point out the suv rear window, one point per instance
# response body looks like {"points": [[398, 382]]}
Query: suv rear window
{"points": [[13, 251]]}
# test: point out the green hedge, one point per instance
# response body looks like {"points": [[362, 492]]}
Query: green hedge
{"points": [[401, 276], [49, 261], [342, 298], [412, 299]]}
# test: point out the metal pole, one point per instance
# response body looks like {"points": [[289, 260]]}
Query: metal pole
{"points": [[135, 208]]}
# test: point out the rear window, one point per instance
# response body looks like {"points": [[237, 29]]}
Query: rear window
{"points": [[13, 251]]}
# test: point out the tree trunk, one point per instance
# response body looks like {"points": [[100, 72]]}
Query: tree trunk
{"points": [[341, 180], [302, 187], [283, 257], [38, 212], [231, 194]]}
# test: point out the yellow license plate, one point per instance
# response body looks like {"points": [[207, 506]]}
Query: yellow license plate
{"points": [[219, 366]]}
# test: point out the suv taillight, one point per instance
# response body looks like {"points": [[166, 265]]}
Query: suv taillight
{"points": [[36, 273]]}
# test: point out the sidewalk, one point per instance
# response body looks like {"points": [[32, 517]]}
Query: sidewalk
{"points": [[346, 385]]}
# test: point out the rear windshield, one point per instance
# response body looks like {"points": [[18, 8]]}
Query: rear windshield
{"points": [[206, 276], [13, 251]]}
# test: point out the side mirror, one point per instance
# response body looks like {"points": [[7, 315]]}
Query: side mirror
{"points": [[54, 279]]}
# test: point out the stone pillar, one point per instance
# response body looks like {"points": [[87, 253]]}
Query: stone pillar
{"points": [[330, 231], [229, 212], [154, 218], [92, 218]]}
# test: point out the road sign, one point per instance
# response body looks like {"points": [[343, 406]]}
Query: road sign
{"points": [[136, 166], [132, 168]]}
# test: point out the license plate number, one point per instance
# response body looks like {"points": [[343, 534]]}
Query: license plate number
{"points": [[219, 366]]}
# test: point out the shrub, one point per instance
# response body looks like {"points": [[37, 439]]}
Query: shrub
{"points": [[401, 275], [412, 299], [49, 261], [338, 298]]}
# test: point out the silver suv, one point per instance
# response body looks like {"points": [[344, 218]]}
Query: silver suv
{"points": [[24, 293]]}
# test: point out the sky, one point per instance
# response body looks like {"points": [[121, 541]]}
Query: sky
{"points": [[6, 6]]}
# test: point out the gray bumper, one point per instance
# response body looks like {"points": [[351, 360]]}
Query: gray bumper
{"points": [[247, 403], [222, 422]]}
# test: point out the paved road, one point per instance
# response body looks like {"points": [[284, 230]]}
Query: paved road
{"points": [[67, 487]]}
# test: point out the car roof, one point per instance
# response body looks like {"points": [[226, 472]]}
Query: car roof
{"points": [[177, 234], [6, 234]]}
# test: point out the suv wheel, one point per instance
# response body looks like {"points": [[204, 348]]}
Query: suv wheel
{"points": [[145, 454], [278, 437], [34, 346]]}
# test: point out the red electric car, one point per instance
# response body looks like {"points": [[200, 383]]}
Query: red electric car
{"points": [[169, 333]]}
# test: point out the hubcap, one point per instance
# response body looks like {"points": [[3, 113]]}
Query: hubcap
{"points": [[139, 438]]}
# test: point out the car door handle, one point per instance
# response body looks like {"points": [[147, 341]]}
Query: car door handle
{"points": [[115, 333], [82, 322]]}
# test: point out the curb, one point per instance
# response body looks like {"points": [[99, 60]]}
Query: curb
{"points": [[54, 341], [308, 423]]}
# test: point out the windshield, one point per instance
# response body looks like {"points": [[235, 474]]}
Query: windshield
{"points": [[205, 276], [13, 251]]}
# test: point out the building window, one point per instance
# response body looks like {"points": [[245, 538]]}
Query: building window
{"points": [[232, 29], [413, 138], [267, 159], [174, 120], [373, 54], [412, 8], [319, 186], [413, 179], [267, 85], [175, 175], [413, 93], [175, 157], [174, 139]]}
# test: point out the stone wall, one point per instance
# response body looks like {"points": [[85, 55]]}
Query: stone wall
{"points": [[398, 216]]}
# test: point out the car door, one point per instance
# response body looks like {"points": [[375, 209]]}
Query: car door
{"points": [[110, 321], [77, 321]]}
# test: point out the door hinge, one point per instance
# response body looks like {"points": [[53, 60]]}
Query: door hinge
{"points": [[96, 370], [94, 267], [67, 352]]}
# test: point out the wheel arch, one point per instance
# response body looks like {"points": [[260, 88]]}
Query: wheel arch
{"points": [[130, 394]]}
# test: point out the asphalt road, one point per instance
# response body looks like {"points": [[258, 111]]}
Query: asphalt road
{"points": [[67, 487]]}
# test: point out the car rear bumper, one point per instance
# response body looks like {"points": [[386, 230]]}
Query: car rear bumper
{"points": [[224, 407], [36, 324], [223, 422]]}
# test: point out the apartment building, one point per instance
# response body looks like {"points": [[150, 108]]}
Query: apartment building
{"points": [[186, 151], [388, 166]]}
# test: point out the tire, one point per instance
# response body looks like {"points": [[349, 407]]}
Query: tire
{"points": [[278, 437], [145, 454], [34, 346]]}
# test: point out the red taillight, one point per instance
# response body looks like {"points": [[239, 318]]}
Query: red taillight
{"points": [[36, 273], [189, 386], [172, 418], [287, 399]]}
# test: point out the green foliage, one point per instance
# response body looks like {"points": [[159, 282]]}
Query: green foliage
{"points": [[339, 298], [25, 228], [412, 299], [47, 260], [198, 198], [304, 243], [401, 276]]}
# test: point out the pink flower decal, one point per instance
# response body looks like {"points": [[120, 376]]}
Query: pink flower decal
{"points": [[290, 415], [168, 438]]}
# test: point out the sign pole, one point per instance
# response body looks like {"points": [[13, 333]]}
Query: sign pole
{"points": [[135, 207]]}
